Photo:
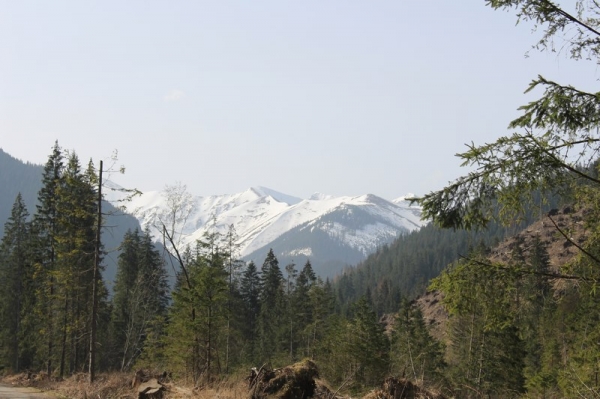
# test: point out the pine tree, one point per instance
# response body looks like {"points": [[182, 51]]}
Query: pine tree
{"points": [[193, 344], [536, 304], [486, 353], [414, 352], [233, 266], [249, 292], [302, 308], [368, 345], [291, 305], [270, 331], [45, 225], [140, 296], [75, 245], [322, 306], [16, 276]]}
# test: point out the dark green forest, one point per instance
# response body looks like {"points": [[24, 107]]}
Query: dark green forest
{"points": [[404, 268]]}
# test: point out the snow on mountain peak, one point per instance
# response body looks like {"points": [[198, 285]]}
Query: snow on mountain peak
{"points": [[277, 196], [261, 215], [320, 197], [406, 197]]}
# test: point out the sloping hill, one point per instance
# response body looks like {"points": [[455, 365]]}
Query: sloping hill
{"points": [[560, 251], [17, 177]]}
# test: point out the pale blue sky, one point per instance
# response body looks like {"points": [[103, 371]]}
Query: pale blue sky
{"points": [[339, 97]]}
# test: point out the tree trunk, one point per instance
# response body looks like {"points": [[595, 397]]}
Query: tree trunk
{"points": [[93, 327]]}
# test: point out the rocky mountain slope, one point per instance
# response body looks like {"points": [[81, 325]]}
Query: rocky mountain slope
{"points": [[560, 251]]}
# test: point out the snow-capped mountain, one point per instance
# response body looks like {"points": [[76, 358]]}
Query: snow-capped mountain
{"points": [[330, 231]]}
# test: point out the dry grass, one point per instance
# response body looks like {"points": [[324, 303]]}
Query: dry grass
{"points": [[398, 388], [226, 389], [106, 386], [118, 386]]}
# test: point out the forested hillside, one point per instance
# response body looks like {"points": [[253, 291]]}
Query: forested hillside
{"points": [[17, 177], [404, 268]]}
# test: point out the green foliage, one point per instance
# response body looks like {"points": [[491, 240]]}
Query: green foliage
{"points": [[140, 297], [54, 300], [367, 345], [16, 274], [45, 226], [355, 351], [486, 352], [249, 293], [197, 318], [557, 132], [272, 309], [414, 352]]}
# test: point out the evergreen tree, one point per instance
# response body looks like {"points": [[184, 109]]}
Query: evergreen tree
{"points": [[368, 345], [16, 276], [302, 309], [291, 305], [45, 225], [75, 243], [193, 344], [249, 292], [414, 352], [322, 306], [271, 308], [536, 305], [140, 296], [486, 353], [233, 266]]}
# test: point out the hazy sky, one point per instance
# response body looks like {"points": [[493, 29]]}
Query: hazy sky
{"points": [[339, 97]]}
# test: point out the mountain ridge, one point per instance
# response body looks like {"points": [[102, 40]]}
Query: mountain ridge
{"points": [[262, 216]]}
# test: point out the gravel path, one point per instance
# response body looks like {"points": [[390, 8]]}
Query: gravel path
{"points": [[10, 392]]}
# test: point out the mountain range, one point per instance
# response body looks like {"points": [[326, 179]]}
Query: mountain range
{"points": [[331, 232]]}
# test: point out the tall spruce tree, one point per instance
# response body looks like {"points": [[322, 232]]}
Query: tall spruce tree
{"points": [[301, 308], [194, 345], [271, 333], [75, 244], [140, 296], [414, 352], [16, 276], [486, 354], [45, 225], [368, 345], [249, 292]]}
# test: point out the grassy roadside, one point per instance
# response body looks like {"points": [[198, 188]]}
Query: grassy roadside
{"points": [[118, 386]]}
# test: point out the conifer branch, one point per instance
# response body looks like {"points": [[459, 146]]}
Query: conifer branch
{"points": [[571, 18]]}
